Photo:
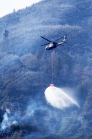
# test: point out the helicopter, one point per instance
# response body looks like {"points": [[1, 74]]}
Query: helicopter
{"points": [[53, 44]]}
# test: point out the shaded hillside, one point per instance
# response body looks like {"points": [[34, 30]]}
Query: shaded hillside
{"points": [[22, 55], [26, 66]]}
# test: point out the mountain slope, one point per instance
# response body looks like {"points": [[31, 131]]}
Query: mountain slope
{"points": [[26, 66]]}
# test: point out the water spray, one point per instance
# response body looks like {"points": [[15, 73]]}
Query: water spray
{"points": [[58, 98]]}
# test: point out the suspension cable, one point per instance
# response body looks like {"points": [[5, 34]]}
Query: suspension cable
{"points": [[52, 65]]}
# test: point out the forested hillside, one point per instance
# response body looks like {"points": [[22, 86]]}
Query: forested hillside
{"points": [[25, 68]]}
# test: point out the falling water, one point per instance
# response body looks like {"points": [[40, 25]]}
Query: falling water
{"points": [[59, 98]]}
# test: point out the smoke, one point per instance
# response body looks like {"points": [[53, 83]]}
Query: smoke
{"points": [[58, 98], [16, 117], [8, 121], [40, 115]]}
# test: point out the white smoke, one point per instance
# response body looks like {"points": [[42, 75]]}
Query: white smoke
{"points": [[17, 117], [58, 98], [8, 121]]}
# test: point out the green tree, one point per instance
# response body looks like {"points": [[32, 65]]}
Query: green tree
{"points": [[87, 109], [57, 66], [17, 135]]}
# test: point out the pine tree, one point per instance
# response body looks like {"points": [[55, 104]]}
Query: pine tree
{"points": [[87, 109]]}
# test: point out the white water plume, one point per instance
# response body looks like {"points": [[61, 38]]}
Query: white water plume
{"points": [[58, 98]]}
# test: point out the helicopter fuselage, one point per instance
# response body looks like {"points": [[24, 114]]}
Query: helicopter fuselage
{"points": [[51, 46]]}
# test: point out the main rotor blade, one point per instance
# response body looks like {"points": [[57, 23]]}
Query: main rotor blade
{"points": [[46, 39], [45, 44]]}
